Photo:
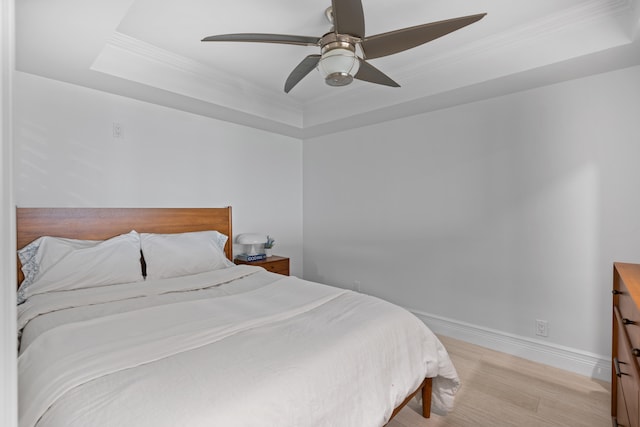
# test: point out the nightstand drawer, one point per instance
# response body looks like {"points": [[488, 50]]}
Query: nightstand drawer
{"points": [[274, 264], [279, 266]]}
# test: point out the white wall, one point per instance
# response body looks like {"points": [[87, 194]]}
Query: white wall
{"points": [[66, 155], [494, 213], [8, 398]]}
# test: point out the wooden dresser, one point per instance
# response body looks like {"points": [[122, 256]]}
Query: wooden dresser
{"points": [[625, 378]]}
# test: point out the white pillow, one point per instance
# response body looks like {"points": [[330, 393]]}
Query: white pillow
{"points": [[32, 260], [53, 263], [181, 254]]}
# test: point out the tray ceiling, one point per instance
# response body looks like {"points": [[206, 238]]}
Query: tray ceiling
{"points": [[151, 50]]}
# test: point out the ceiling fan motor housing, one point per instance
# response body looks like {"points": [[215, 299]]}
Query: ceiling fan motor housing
{"points": [[338, 62]]}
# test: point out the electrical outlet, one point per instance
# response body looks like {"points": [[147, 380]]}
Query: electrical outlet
{"points": [[118, 131], [542, 328]]}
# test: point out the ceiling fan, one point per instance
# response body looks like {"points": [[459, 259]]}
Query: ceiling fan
{"points": [[339, 60]]}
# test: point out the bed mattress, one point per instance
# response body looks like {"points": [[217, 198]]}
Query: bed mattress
{"points": [[233, 347]]}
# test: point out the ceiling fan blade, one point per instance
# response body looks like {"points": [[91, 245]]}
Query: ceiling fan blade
{"points": [[264, 38], [301, 70], [348, 17], [396, 41], [369, 73]]}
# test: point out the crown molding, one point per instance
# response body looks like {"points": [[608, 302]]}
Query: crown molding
{"points": [[570, 19], [125, 57]]}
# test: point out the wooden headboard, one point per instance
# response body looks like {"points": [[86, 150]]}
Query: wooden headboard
{"points": [[103, 223]]}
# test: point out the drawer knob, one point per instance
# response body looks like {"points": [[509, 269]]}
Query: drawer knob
{"points": [[636, 352], [628, 321]]}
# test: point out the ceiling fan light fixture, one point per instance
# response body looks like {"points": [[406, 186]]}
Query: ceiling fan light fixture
{"points": [[338, 66]]}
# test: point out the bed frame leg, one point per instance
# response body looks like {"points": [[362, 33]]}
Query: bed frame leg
{"points": [[426, 398], [425, 387]]}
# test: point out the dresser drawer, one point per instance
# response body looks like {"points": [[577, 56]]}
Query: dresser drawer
{"points": [[628, 374], [630, 315], [625, 378], [622, 418]]}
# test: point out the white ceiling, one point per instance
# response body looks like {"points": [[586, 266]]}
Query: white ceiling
{"points": [[151, 50]]}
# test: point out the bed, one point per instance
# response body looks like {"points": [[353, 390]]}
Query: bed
{"points": [[129, 324]]}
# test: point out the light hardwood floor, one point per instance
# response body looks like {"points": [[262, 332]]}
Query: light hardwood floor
{"points": [[503, 390]]}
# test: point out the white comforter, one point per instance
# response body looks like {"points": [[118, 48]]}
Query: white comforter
{"points": [[233, 347]]}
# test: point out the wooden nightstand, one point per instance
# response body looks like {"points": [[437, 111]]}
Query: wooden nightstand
{"points": [[275, 264]]}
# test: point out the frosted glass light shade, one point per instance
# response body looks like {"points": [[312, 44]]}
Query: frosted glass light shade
{"points": [[253, 243], [251, 238], [339, 66]]}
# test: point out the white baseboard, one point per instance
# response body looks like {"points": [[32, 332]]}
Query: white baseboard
{"points": [[570, 359]]}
